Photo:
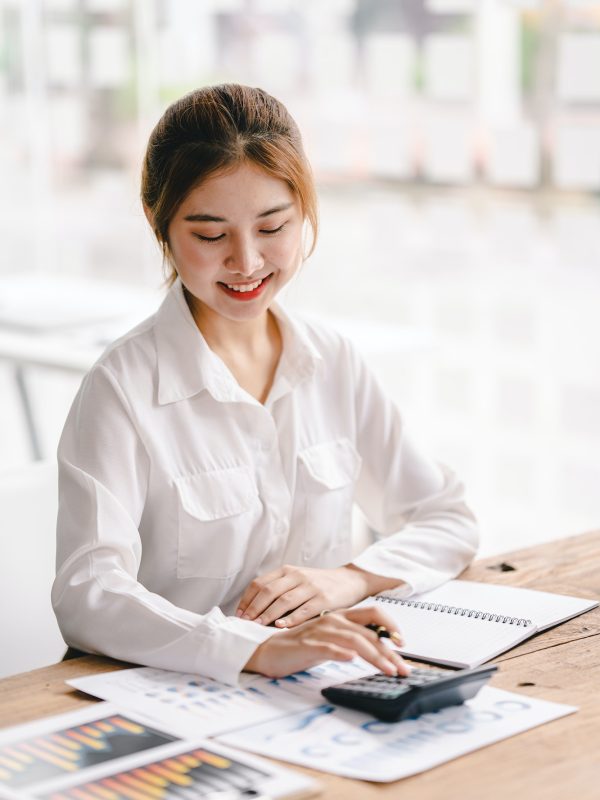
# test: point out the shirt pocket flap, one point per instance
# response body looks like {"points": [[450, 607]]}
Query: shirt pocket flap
{"points": [[219, 494], [331, 465]]}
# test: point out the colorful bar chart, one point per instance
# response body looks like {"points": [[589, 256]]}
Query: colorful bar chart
{"points": [[186, 775], [66, 751]]}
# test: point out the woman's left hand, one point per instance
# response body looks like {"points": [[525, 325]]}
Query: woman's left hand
{"points": [[306, 591]]}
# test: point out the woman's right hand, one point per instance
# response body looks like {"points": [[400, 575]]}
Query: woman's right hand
{"points": [[337, 636]]}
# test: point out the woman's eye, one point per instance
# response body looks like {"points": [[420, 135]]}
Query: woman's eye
{"points": [[273, 230], [267, 231], [209, 238]]}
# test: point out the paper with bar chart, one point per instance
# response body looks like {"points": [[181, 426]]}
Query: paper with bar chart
{"points": [[68, 748], [101, 752]]}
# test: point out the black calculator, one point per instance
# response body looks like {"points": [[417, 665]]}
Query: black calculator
{"points": [[424, 690]]}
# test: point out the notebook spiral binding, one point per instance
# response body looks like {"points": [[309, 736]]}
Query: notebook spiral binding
{"points": [[462, 612]]}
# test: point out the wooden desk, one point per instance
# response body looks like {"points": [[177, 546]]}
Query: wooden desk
{"points": [[560, 760]]}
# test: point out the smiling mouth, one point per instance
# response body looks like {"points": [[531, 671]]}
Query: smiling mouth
{"points": [[245, 291]]}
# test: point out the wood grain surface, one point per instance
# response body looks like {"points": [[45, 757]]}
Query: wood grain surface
{"points": [[556, 761]]}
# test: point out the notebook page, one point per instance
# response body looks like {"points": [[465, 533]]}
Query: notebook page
{"points": [[543, 608], [451, 639]]}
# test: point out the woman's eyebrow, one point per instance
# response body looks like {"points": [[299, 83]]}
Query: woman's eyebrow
{"points": [[213, 218], [282, 207], [203, 218]]}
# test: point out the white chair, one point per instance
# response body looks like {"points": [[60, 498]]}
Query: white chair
{"points": [[29, 634]]}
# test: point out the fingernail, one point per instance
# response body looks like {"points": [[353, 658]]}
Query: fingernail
{"points": [[281, 623], [258, 620], [396, 638], [239, 612], [245, 615]]}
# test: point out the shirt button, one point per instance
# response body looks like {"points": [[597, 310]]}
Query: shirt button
{"points": [[306, 556]]}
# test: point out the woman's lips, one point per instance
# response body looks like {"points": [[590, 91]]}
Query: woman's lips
{"points": [[243, 293]]}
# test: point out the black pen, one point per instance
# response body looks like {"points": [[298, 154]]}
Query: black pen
{"points": [[383, 633]]}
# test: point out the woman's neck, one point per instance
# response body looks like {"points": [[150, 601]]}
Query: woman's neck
{"points": [[221, 334], [251, 349]]}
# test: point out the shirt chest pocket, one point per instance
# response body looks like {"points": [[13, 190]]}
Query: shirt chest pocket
{"points": [[327, 475], [217, 514]]}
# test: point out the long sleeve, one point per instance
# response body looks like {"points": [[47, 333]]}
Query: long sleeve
{"points": [[428, 534], [104, 472]]}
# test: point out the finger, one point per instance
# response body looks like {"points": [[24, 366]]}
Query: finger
{"points": [[267, 595], [312, 607], [394, 656], [367, 644], [288, 601], [254, 587], [308, 654], [357, 639], [338, 629], [327, 651], [403, 668]]}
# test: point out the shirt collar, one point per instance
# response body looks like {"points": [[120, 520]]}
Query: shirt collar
{"points": [[187, 365], [299, 358]]}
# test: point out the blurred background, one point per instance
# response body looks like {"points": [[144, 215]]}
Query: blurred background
{"points": [[456, 145]]}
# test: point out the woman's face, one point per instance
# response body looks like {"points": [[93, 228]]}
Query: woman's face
{"points": [[236, 240]]}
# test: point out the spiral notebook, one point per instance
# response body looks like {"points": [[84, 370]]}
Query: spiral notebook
{"points": [[463, 623]]}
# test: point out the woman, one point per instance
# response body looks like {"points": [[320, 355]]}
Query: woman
{"points": [[211, 458]]}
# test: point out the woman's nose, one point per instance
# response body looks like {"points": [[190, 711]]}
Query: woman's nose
{"points": [[244, 257]]}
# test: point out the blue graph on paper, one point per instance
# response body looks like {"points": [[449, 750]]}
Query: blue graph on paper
{"points": [[189, 704], [193, 704], [194, 694], [307, 684], [351, 743]]}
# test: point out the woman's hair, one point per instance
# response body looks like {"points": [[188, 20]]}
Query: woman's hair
{"points": [[215, 129]]}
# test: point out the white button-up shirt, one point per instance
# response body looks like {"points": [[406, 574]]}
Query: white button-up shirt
{"points": [[177, 488]]}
